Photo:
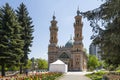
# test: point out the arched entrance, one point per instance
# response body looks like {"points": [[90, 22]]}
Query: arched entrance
{"points": [[65, 58]]}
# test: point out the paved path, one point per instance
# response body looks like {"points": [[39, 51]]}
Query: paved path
{"points": [[74, 76]]}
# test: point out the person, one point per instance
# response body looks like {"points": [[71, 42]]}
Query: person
{"points": [[26, 72]]}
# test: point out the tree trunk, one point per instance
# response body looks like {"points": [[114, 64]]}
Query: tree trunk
{"points": [[3, 69], [20, 68]]}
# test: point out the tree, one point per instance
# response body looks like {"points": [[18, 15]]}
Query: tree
{"points": [[93, 62], [105, 22], [28, 65], [11, 44], [42, 63], [26, 22]]}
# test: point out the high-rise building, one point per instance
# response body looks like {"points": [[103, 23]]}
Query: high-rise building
{"points": [[95, 50]]}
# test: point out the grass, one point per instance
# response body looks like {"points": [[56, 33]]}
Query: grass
{"points": [[96, 75]]}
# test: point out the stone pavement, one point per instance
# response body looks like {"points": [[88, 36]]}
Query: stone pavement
{"points": [[75, 76]]}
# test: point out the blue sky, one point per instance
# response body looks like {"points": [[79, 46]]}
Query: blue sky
{"points": [[41, 12]]}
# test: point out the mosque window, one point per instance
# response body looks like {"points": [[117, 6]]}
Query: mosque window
{"points": [[77, 35], [77, 63], [77, 21], [77, 50], [77, 59], [51, 58], [51, 38]]}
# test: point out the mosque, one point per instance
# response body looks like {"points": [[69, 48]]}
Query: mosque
{"points": [[72, 53]]}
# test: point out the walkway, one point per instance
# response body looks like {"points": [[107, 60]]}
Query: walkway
{"points": [[75, 76]]}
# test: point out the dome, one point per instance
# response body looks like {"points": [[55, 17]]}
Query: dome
{"points": [[69, 44]]}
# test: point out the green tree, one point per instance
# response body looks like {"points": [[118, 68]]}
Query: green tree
{"points": [[29, 64], [12, 68], [105, 21], [42, 64], [93, 62], [26, 22], [11, 44]]}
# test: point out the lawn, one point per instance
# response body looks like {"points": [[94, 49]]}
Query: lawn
{"points": [[96, 75]]}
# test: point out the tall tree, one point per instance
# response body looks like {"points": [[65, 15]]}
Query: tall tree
{"points": [[11, 44], [93, 62], [26, 22], [42, 63], [105, 22]]}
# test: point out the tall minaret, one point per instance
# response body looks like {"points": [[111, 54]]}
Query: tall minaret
{"points": [[52, 48], [78, 45], [53, 31], [77, 54]]}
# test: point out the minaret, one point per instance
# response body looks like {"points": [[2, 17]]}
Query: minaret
{"points": [[53, 32], [77, 54], [52, 48], [78, 45]]}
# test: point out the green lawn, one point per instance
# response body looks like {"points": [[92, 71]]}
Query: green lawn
{"points": [[96, 75]]}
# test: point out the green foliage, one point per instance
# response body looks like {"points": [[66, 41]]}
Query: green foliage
{"points": [[13, 68], [15, 37], [27, 29], [10, 37], [93, 62], [105, 22], [11, 44], [118, 69], [42, 63], [28, 65], [97, 75]]}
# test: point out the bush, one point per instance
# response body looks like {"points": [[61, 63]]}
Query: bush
{"points": [[118, 68], [118, 71]]}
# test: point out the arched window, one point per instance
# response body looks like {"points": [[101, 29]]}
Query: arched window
{"points": [[51, 38], [77, 35], [77, 49]]}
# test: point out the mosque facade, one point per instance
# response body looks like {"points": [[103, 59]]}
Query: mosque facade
{"points": [[72, 53]]}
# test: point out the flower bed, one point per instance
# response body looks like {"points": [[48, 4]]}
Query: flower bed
{"points": [[112, 76], [37, 76]]}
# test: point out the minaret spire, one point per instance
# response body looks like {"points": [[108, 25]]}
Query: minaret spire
{"points": [[54, 16], [70, 36], [78, 11]]}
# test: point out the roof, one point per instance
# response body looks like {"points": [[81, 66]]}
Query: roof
{"points": [[58, 62], [69, 44]]}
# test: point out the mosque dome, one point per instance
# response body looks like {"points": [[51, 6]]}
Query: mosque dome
{"points": [[69, 44]]}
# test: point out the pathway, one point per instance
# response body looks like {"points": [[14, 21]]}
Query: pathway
{"points": [[75, 76]]}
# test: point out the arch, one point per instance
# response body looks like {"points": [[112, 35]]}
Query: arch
{"points": [[64, 55]]}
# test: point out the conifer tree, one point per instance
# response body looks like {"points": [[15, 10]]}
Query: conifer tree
{"points": [[26, 22], [11, 43], [105, 21]]}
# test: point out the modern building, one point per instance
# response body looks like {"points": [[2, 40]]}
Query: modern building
{"points": [[72, 53], [95, 50]]}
